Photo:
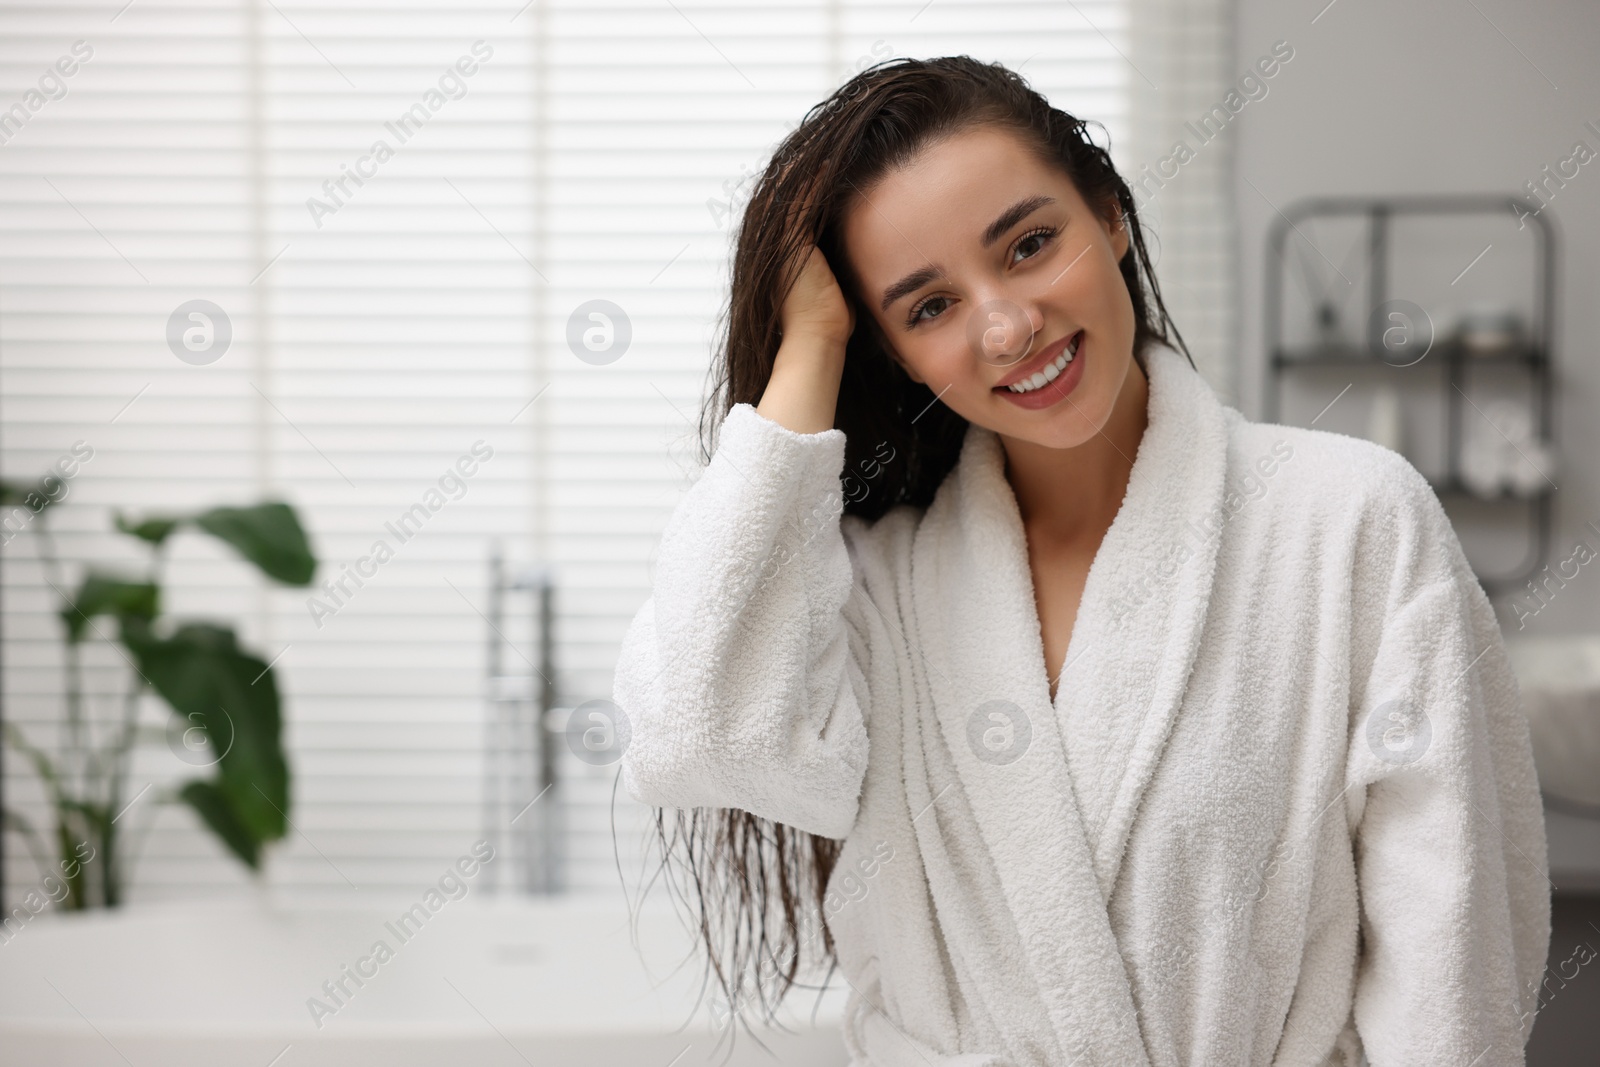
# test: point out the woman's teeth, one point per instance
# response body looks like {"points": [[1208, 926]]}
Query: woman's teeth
{"points": [[1051, 369]]}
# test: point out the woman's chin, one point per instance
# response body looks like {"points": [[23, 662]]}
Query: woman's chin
{"points": [[1068, 423], [1062, 427]]}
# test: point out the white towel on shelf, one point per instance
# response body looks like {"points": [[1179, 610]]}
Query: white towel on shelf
{"points": [[1282, 810], [1502, 451]]}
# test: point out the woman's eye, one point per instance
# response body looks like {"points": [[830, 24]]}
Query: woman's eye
{"points": [[1036, 240], [916, 314]]}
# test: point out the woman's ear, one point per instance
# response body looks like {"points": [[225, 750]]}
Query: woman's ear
{"points": [[1117, 232]]}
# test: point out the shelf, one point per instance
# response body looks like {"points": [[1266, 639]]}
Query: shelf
{"points": [[1455, 487], [1531, 353], [1446, 351]]}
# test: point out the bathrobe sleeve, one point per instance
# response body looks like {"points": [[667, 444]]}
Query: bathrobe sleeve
{"points": [[739, 677], [1451, 860]]}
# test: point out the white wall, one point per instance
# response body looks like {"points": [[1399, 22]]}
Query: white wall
{"points": [[1414, 98]]}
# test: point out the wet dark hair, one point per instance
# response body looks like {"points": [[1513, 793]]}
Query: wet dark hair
{"points": [[748, 874]]}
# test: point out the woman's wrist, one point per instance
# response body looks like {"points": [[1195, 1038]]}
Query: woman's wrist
{"points": [[803, 392]]}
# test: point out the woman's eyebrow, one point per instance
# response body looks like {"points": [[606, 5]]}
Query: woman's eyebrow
{"points": [[995, 230], [1013, 215], [910, 284]]}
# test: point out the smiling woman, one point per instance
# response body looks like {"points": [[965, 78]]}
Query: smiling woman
{"points": [[1041, 258], [1129, 742]]}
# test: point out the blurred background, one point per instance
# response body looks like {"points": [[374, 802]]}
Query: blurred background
{"points": [[350, 360]]}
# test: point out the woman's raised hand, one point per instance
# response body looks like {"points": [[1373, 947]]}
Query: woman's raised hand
{"points": [[816, 320], [815, 305]]}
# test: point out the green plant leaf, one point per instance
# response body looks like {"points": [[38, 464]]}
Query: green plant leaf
{"points": [[35, 496], [13, 494], [232, 697], [104, 594], [215, 808], [154, 531], [268, 535]]}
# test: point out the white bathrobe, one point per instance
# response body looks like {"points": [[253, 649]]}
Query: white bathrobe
{"points": [[1282, 811]]}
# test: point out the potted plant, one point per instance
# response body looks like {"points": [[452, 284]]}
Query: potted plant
{"points": [[224, 698]]}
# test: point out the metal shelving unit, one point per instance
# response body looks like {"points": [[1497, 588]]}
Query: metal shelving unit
{"points": [[1534, 354]]}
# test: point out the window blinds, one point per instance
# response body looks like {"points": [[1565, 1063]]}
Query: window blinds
{"points": [[398, 209]]}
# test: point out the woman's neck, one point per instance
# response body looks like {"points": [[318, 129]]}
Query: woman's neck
{"points": [[1069, 496]]}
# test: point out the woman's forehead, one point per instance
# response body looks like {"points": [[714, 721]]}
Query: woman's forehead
{"points": [[946, 200]]}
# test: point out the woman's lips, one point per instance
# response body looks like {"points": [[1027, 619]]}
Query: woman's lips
{"points": [[1050, 392], [1037, 363]]}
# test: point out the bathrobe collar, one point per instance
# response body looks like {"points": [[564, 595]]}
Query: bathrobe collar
{"points": [[990, 733]]}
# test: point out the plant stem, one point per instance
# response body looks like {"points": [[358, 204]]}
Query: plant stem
{"points": [[72, 872], [119, 756], [50, 563], [110, 882]]}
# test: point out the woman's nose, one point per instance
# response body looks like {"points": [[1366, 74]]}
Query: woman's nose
{"points": [[1001, 331]]}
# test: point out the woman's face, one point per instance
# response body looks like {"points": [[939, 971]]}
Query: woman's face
{"points": [[983, 267]]}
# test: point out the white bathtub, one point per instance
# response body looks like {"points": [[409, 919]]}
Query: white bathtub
{"points": [[483, 982]]}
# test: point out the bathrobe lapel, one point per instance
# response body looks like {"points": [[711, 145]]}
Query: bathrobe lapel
{"points": [[991, 770], [1138, 630]]}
